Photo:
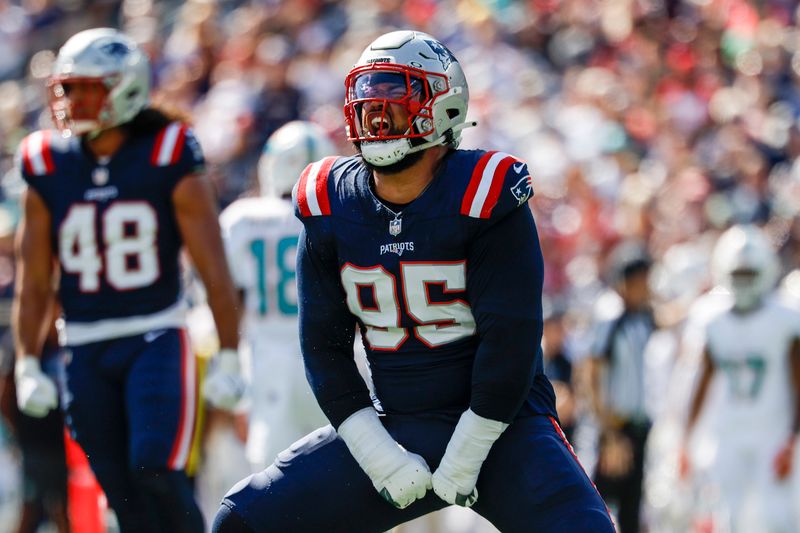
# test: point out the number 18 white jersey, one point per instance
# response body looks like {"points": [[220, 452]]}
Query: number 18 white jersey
{"points": [[260, 236]]}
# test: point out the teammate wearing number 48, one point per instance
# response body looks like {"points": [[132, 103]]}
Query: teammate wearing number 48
{"points": [[112, 197], [433, 252]]}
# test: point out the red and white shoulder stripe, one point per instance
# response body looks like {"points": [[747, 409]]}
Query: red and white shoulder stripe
{"points": [[37, 156], [486, 184], [312, 189], [169, 144]]}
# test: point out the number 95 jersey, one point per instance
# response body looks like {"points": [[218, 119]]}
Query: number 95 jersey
{"points": [[442, 332], [113, 226]]}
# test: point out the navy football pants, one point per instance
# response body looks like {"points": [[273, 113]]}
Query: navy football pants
{"points": [[131, 405], [530, 482]]}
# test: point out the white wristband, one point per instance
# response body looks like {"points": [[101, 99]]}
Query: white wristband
{"points": [[468, 448], [27, 364], [370, 444]]}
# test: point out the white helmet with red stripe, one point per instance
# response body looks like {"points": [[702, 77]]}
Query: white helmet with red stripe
{"points": [[287, 152], [113, 73], [413, 70]]}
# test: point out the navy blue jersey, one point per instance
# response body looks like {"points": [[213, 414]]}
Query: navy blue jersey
{"points": [[113, 227], [447, 292]]}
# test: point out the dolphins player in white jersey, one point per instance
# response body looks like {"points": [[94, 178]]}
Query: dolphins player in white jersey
{"points": [[260, 236], [748, 393]]}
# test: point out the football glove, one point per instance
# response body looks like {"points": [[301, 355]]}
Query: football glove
{"points": [[224, 384], [36, 393], [455, 479], [399, 476]]}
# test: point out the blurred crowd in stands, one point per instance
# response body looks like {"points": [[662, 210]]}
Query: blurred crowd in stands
{"points": [[660, 122]]}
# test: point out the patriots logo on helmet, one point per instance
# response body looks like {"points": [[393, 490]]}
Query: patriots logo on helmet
{"points": [[115, 49], [445, 56], [523, 189]]}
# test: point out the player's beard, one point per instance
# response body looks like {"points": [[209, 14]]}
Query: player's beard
{"points": [[395, 168]]}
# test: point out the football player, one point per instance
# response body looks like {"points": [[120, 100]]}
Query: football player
{"points": [[748, 390], [112, 196], [433, 253], [260, 236]]}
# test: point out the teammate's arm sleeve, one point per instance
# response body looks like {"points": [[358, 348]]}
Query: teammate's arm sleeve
{"points": [[327, 330], [504, 283], [701, 390]]}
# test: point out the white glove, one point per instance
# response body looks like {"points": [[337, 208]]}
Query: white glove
{"points": [[400, 476], [454, 481], [36, 393], [224, 384]]}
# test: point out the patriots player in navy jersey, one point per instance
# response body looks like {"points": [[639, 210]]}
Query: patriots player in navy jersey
{"points": [[433, 252], [111, 200]]}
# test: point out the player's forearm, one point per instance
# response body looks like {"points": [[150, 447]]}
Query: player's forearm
{"points": [[333, 376], [30, 319], [699, 397], [326, 342], [223, 303], [34, 297], [794, 363]]}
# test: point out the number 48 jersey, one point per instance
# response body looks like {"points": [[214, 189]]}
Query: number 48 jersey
{"points": [[447, 289], [113, 226]]}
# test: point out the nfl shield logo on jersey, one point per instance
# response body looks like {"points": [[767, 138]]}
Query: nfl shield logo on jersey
{"points": [[100, 176], [395, 227]]}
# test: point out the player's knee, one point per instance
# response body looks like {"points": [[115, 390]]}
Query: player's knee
{"points": [[306, 445], [229, 521]]}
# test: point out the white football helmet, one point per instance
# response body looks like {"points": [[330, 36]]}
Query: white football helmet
{"points": [[410, 69], [287, 152], [115, 69], [745, 262]]}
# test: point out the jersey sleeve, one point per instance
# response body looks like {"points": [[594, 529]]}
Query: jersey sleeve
{"points": [[176, 147], [504, 285], [498, 184], [311, 193], [327, 329], [34, 160]]}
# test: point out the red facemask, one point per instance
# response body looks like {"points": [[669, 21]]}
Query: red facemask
{"points": [[371, 90]]}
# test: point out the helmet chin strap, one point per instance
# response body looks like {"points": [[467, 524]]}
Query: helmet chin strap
{"points": [[443, 138], [385, 153]]}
